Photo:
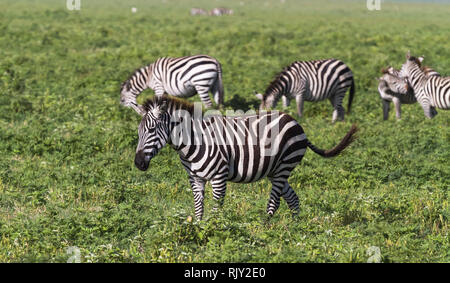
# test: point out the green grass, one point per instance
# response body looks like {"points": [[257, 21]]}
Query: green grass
{"points": [[67, 176]]}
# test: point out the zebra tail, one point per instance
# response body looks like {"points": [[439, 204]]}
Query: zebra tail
{"points": [[220, 83], [350, 97], [346, 141]]}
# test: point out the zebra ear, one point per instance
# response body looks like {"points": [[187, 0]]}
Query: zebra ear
{"points": [[421, 59], [408, 54]]}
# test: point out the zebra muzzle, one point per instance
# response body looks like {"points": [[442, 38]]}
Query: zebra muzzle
{"points": [[142, 160]]}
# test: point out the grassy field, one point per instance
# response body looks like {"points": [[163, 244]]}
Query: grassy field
{"points": [[67, 177]]}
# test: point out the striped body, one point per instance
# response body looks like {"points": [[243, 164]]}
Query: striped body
{"points": [[181, 77], [311, 81], [219, 149], [431, 91], [394, 88]]}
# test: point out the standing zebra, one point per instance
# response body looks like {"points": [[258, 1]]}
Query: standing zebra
{"points": [[220, 149], [311, 81], [198, 11], [183, 77], [431, 91], [394, 88]]}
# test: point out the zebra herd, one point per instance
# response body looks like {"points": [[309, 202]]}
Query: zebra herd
{"points": [[214, 12], [247, 148]]}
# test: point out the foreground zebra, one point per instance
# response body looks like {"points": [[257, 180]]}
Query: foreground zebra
{"points": [[311, 81], [431, 91], [198, 11], [240, 149], [220, 11], [394, 88], [182, 77]]}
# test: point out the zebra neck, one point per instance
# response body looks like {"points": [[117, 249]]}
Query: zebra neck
{"points": [[417, 79], [150, 75], [274, 95], [185, 128]]}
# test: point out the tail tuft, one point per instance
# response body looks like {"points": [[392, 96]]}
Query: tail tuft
{"points": [[345, 142]]}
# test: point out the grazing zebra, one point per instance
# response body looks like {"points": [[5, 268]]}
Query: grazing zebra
{"points": [[183, 77], [311, 81], [198, 11], [394, 88], [240, 149], [220, 11], [431, 91]]}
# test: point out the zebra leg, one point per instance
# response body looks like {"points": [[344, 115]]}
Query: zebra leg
{"points": [[217, 91], [291, 198], [386, 106], [299, 100], [339, 97], [339, 111], [428, 110], [286, 101], [398, 109], [275, 195], [203, 92], [198, 188], [219, 187]]}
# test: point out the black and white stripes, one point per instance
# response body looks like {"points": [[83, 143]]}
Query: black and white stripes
{"points": [[396, 89], [431, 91], [311, 81], [218, 149], [182, 77], [393, 87]]}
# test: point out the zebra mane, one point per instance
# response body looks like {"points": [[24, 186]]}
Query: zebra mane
{"points": [[386, 70], [425, 69], [415, 60], [273, 86], [125, 85], [172, 103]]}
